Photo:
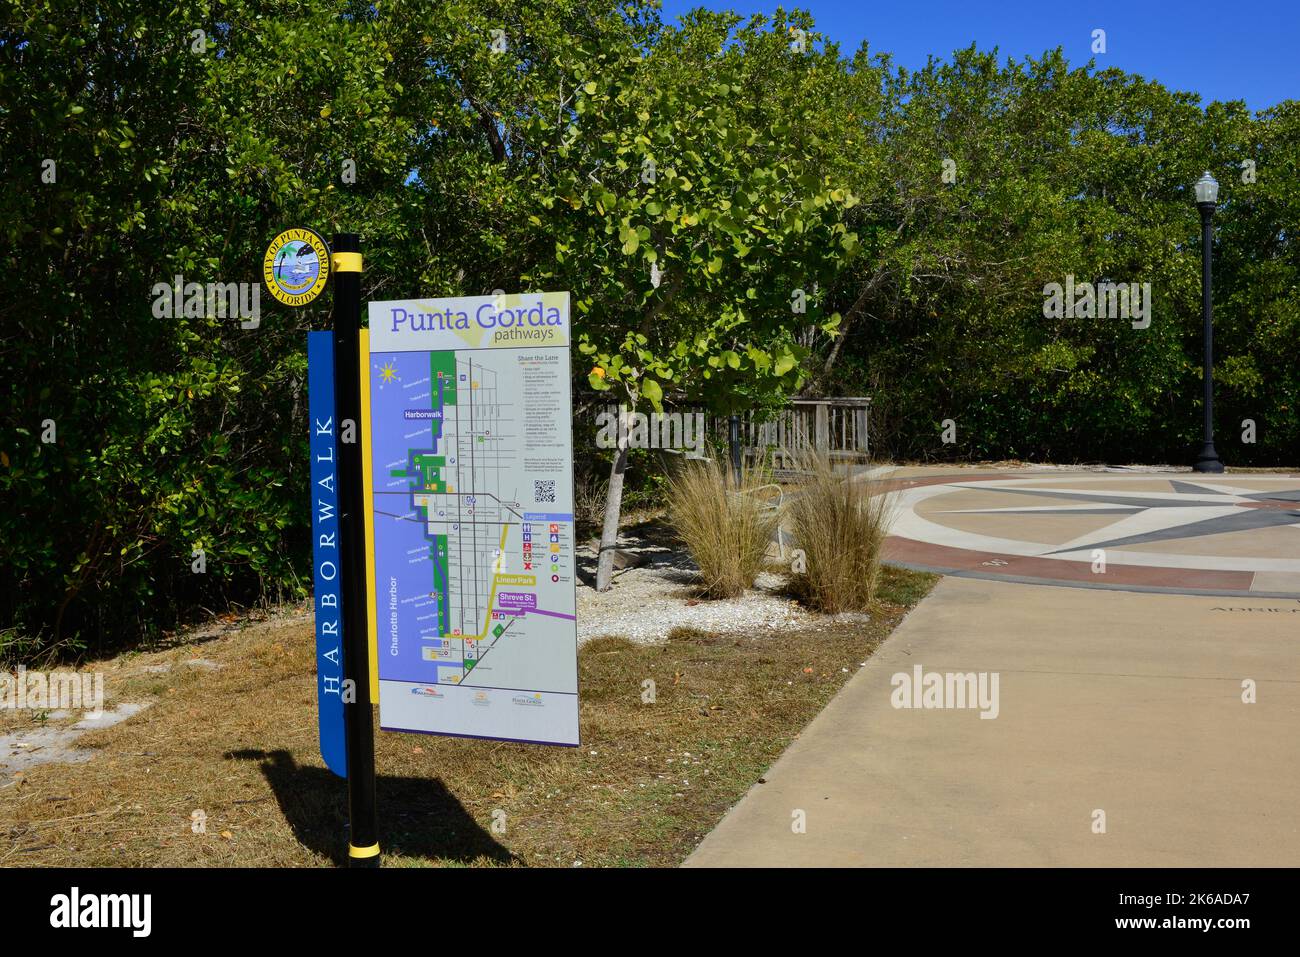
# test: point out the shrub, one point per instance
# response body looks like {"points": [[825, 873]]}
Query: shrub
{"points": [[839, 521], [727, 530]]}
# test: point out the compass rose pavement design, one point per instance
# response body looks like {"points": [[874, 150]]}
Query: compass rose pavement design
{"points": [[1227, 534]]}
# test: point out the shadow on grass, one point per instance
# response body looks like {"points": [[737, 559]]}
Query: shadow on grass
{"points": [[418, 817]]}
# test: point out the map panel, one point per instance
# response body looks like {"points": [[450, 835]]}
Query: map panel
{"points": [[471, 467]]}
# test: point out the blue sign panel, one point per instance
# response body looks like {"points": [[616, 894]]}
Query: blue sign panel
{"points": [[325, 550]]}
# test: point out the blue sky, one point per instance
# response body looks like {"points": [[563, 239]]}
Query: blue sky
{"points": [[1244, 50]]}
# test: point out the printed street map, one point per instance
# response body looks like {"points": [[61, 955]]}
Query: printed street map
{"points": [[471, 494]]}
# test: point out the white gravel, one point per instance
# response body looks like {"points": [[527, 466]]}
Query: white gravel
{"points": [[645, 603]]}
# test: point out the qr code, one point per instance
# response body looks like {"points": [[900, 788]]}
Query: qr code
{"points": [[544, 490]]}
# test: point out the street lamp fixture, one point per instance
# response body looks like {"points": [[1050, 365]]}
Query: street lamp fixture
{"points": [[1207, 195], [1207, 191]]}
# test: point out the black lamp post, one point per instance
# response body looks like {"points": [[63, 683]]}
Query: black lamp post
{"points": [[1207, 194]]}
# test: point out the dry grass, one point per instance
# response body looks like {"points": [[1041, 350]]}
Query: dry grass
{"points": [[726, 530], [239, 744], [839, 523]]}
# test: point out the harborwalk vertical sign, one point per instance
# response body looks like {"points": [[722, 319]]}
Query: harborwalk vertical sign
{"points": [[325, 549], [468, 474]]}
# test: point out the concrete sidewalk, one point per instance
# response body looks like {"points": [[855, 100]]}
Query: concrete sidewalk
{"points": [[1122, 702]]}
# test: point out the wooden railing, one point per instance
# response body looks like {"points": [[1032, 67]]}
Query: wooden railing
{"points": [[836, 427]]}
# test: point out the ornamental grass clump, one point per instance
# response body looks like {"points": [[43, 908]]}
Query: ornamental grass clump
{"points": [[726, 529], [838, 523]]}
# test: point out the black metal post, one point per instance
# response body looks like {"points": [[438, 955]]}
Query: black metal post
{"points": [[1208, 459], [363, 837]]}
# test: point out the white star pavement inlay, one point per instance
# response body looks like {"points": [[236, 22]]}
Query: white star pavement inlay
{"points": [[1188, 511]]}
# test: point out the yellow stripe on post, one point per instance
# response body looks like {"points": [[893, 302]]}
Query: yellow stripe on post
{"points": [[346, 262], [371, 851], [368, 510]]}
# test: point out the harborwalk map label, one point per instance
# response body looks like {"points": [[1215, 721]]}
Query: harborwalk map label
{"points": [[470, 489]]}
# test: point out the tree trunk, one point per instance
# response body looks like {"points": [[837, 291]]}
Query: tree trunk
{"points": [[613, 506]]}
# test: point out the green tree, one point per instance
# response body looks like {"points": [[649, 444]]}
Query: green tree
{"points": [[690, 224], [1051, 172]]}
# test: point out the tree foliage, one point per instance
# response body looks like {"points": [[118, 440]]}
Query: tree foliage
{"points": [[1068, 172], [504, 145]]}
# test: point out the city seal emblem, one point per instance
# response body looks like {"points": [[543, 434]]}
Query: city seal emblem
{"points": [[296, 266]]}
